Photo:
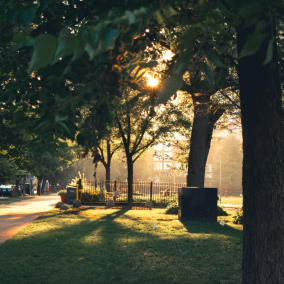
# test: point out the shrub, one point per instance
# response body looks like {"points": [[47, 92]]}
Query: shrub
{"points": [[89, 197], [221, 211], [238, 218], [172, 208], [62, 191]]}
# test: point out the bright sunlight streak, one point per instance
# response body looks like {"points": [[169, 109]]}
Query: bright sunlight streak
{"points": [[153, 82]]}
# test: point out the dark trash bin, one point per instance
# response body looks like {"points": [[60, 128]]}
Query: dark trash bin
{"points": [[197, 204], [71, 194]]}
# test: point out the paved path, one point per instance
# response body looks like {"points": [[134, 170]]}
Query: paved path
{"points": [[231, 207], [17, 215]]}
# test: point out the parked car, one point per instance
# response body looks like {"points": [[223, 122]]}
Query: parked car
{"points": [[27, 188], [7, 190]]}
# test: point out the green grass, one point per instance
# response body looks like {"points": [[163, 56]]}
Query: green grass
{"points": [[15, 199], [231, 200], [121, 246]]}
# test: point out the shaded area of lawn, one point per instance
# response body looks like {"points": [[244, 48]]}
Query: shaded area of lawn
{"points": [[114, 245], [15, 199]]}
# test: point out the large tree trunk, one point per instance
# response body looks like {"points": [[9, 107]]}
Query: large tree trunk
{"points": [[196, 165], [205, 117], [130, 180], [262, 122]]}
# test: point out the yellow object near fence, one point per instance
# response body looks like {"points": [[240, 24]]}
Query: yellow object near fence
{"points": [[77, 191]]}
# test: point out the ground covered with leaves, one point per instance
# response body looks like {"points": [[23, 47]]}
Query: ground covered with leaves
{"points": [[122, 246]]}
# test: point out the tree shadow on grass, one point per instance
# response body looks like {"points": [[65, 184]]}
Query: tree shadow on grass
{"points": [[117, 248], [211, 228]]}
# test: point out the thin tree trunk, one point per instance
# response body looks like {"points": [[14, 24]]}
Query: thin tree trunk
{"points": [[24, 186], [130, 180], [262, 122], [43, 185], [107, 167], [18, 188], [39, 179]]}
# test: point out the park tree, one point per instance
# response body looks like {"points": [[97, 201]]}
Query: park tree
{"points": [[201, 87], [140, 125]]}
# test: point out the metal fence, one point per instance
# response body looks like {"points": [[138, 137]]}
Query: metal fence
{"points": [[160, 193]]}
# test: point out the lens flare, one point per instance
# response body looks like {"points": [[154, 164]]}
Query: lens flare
{"points": [[153, 82]]}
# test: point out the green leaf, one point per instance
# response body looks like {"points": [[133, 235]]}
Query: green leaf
{"points": [[44, 49], [254, 40], [59, 118], [143, 10], [252, 44], [260, 26], [91, 51], [169, 88], [131, 17], [215, 58], [27, 15], [169, 11], [207, 70], [65, 127], [23, 40], [269, 54], [67, 43], [109, 37], [67, 70], [159, 17]]}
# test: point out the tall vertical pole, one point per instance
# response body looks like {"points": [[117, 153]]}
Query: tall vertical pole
{"points": [[151, 190]]}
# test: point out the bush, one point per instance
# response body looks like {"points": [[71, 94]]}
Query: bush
{"points": [[172, 208], [88, 197], [62, 191], [221, 211], [238, 218]]}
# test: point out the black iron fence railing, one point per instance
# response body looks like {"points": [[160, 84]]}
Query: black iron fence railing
{"points": [[160, 193]]}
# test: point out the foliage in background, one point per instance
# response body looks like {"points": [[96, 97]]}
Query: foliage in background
{"points": [[238, 218], [221, 211], [172, 208], [229, 153]]}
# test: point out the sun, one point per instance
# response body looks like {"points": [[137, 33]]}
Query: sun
{"points": [[153, 82]]}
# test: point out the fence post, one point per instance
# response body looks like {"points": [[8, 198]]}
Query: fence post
{"points": [[115, 185], [151, 190]]}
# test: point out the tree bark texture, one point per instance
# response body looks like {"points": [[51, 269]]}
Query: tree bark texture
{"points": [[205, 117], [262, 123]]}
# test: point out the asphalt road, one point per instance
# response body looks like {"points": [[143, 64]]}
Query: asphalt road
{"points": [[17, 215]]}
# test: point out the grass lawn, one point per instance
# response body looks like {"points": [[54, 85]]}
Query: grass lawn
{"points": [[231, 200], [15, 199], [121, 246]]}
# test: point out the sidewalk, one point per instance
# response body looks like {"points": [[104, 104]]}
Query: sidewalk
{"points": [[231, 207], [17, 215]]}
